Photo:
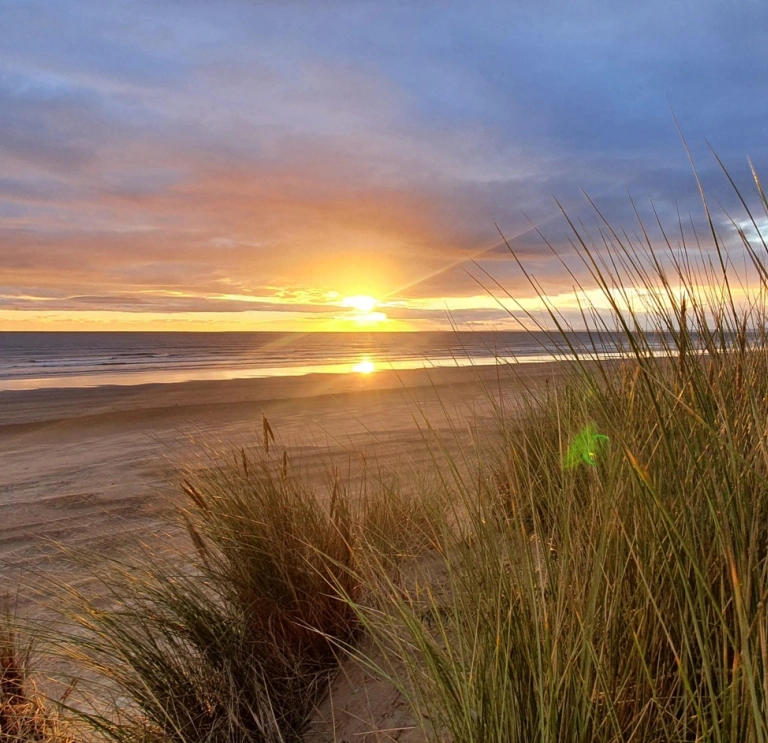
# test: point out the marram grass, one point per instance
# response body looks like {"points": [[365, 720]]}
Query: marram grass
{"points": [[234, 641], [612, 581], [25, 716]]}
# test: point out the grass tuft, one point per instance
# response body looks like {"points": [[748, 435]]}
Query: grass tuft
{"points": [[235, 639], [24, 715]]}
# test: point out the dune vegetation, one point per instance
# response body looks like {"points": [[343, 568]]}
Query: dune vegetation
{"points": [[24, 713], [604, 562]]}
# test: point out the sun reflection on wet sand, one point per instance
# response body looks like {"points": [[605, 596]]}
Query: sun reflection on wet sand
{"points": [[366, 366], [224, 372]]}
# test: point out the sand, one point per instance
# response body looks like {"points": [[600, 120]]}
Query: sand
{"points": [[95, 467], [98, 469]]}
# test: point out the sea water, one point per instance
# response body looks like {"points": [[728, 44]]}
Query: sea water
{"points": [[78, 359]]}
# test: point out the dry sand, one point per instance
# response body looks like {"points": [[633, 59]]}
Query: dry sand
{"points": [[97, 469]]}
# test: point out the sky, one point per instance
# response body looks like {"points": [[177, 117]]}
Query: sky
{"points": [[257, 165]]}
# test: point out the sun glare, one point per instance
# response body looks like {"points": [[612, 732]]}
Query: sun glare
{"points": [[360, 302], [366, 366]]}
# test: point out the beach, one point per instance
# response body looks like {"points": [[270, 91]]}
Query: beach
{"points": [[98, 469]]}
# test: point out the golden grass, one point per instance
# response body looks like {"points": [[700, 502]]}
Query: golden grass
{"points": [[24, 715]]}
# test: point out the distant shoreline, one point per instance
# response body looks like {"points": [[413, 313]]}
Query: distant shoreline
{"points": [[167, 377], [22, 407], [30, 361]]}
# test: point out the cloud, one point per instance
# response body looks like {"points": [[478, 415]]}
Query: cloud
{"points": [[357, 147]]}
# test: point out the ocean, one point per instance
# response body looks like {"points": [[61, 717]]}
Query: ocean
{"points": [[49, 360]]}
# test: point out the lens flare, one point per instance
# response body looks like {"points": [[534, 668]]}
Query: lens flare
{"points": [[584, 447]]}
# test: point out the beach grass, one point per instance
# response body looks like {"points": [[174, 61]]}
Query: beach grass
{"points": [[237, 644], [25, 715], [612, 579], [603, 560]]}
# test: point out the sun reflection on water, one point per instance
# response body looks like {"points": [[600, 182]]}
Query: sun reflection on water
{"points": [[366, 366]]}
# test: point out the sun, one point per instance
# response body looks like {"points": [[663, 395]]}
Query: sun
{"points": [[361, 312], [360, 302]]}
